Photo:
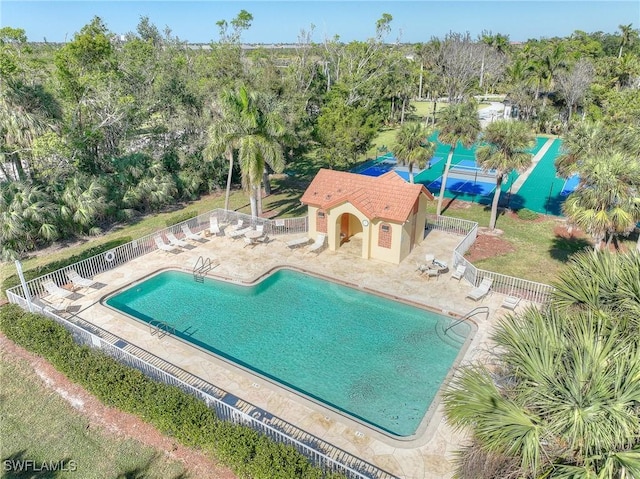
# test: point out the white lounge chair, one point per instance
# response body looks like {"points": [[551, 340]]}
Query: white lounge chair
{"points": [[214, 227], [296, 242], [431, 273], [162, 245], [249, 241], [318, 244], [482, 290], [175, 241], [54, 290], [237, 233], [510, 302], [79, 281], [190, 234], [459, 272]]}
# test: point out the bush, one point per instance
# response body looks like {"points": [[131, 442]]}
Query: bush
{"points": [[168, 408], [179, 218], [527, 214], [30, 274]]}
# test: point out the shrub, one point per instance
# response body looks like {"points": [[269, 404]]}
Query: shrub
{"points": [[527, 215], [168, 408], [179, 218]]}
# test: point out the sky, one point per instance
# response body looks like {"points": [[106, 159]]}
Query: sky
{"points": [[282, 21]]}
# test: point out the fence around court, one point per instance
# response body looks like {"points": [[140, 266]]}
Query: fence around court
{"points": [[528, 290]]}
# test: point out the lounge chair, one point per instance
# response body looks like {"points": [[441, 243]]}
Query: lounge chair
{"points": [[318, 244], [162, 245], [190, 234], [482, 290], [249, 242], [510, 302], [237, 233], [175, 241], [54, 290], [214, 227], [263, 239], [296, 242], [79, 281], [459, 272]]}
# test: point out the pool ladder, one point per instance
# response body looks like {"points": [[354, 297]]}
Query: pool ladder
{"points": [[201, 268], [473, 312], [160, 328]]}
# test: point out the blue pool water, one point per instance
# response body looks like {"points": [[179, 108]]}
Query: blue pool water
{"points": [[377, 360]]}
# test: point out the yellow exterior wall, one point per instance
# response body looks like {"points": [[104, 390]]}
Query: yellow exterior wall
{"points": [[391, 255], [401, 233]]}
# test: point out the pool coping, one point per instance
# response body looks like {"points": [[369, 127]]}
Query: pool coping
{"points": [[432, 416]]}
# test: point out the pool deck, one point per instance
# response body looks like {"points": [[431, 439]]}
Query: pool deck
{"points": [[427, 456]]}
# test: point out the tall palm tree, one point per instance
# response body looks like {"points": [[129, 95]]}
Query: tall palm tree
{"points": [[458, 123], [561, 397], [626, 35], [249, 127], [504, 151], [605, 203], [413, 147]]}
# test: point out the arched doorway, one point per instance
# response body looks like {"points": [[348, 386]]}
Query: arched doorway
{"points": [[350, 229]]}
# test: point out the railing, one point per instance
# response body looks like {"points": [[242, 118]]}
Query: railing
{"points": [[119, 255], [529, 290], [227, 407], [479, 310]]}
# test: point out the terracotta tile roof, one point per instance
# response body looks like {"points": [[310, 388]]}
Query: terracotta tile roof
{"points": [[387, 197]]}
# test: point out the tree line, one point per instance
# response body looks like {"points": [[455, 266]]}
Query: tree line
{"points": [[103, 128]]}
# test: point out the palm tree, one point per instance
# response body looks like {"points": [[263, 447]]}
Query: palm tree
{"points": [[413, 147], [458, 123], [626, 35], [561, 396], [504, 151], [249, 127], [605, 203], [586, 138]]}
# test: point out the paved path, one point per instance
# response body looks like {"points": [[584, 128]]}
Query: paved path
{"points": [[538, 156]]}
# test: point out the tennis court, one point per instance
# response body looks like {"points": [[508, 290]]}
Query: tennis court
{"points": [[542, 190], [386, 163]]}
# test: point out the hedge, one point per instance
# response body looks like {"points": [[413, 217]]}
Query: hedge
{"points": [[168, 408]]}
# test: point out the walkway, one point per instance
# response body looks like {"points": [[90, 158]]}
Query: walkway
{"points": [[534, 161]]}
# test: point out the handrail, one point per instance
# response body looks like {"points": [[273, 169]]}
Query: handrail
{"points": [[473, 312]]}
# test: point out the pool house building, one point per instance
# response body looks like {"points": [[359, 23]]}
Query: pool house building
{"points": [[385, 214]]}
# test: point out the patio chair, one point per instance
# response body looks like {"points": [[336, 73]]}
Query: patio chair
{"points": [[175, 241], [162, 245], [190, 234], [297, 242], [79, 281], [431, 273], [459, 272], [264, 239], [318, 244], [249, 242], [482, 290], [214, 227], [237, 233], [511, 301], [54, 290]]}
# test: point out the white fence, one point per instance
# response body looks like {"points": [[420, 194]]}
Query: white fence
{"points": [[119, 255], [227, 407], [529, 290]]}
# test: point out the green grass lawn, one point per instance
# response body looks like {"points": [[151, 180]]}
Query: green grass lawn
{"points": [[38, 425]]}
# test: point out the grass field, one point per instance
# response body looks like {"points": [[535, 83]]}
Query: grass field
{"points": [[39, 426]]}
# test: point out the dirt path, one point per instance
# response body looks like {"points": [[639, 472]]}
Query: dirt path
{"points": [[112, 420]]}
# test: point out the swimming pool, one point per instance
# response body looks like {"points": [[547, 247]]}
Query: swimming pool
{"points": [[378, 361]]}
